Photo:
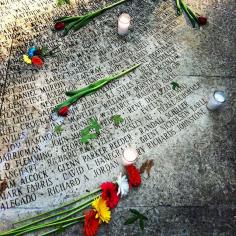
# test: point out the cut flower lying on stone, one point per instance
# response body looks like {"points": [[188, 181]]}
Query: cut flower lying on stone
{"points": [[77, 94], [68, 23], [193, 17], [102, 200]]}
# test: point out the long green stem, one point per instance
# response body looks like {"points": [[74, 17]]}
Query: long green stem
{"points": [[57, 229], [185, 8], [64, 205], [179, 10], [49, 225], [76, 95], [46, 218], [96, 85]]}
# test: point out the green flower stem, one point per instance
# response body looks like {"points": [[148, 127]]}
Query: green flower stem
{"points": [[22, 228], [185, 8], [59, 229], [96, 85], [49, 225], [192, 14], [77, 94], [179, 9], [68, 18], [58, 208]]}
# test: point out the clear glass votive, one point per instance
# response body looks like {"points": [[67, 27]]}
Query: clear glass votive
{"points": [[216, 100]]}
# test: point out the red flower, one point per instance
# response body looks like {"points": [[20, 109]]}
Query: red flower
{"points": [[91, 224], [202, 20], [37, 61], [109, 193], [63, 111], [134, 176], [59, 26]]}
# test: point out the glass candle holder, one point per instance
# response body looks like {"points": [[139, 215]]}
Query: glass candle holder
{"points": [[123, 23], [130, 155], [216, 100]]}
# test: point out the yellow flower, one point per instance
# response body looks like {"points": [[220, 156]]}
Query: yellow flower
{"points": [[27, 59], [102, 210]]}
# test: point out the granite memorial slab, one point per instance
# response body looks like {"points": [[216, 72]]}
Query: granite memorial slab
{"points": [[192, 185]]}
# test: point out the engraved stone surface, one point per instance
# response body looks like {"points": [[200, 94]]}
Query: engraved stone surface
{"points": [[191, 190]]}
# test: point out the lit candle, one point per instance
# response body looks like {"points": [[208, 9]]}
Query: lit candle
{"points": [[123, 24], [130, 155], [216, 100]]}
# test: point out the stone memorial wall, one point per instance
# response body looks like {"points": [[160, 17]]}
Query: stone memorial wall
{"points": [[192, 148]]}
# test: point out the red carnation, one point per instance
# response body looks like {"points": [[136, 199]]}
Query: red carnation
{"points": [[63, 111], [109, 193], [91, 224], [59, 26], [37, 61], [134, 176], [202, 20]]}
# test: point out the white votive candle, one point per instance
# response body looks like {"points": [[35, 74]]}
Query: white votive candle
{"points": [[216, 100], [130, 156], [123, 24]]}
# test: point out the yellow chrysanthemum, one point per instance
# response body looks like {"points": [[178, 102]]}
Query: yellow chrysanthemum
{"points": [[103, 211], [27, 59]]}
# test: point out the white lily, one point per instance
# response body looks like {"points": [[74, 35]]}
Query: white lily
{"points": [[123, 185]]}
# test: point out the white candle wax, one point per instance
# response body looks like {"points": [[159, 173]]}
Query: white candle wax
{"points": [[216, 100], [123, 24], [129, 157]]}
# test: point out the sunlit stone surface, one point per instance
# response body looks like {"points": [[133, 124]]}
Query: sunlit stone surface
{"points": [[191, 190]]}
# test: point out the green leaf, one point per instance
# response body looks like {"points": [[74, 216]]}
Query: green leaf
{"points": [[86, 134], [85, 131], [95, 125], [135, 212], [131, 220], [61, 2], [140, 215], [117, 119], [58, 129], [85, 139], [175, 85], [141, 224]]}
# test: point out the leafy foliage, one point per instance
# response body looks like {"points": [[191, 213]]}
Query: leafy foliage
{"points": [[61, 2], [86, 134], [117, 119], [175, 85], [136, 216], [58, 129]]}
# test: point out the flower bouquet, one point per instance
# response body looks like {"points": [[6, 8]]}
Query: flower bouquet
{"points": [[36, 56], [193, 17], [101, 200], [63, 108], [68, 23]]}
